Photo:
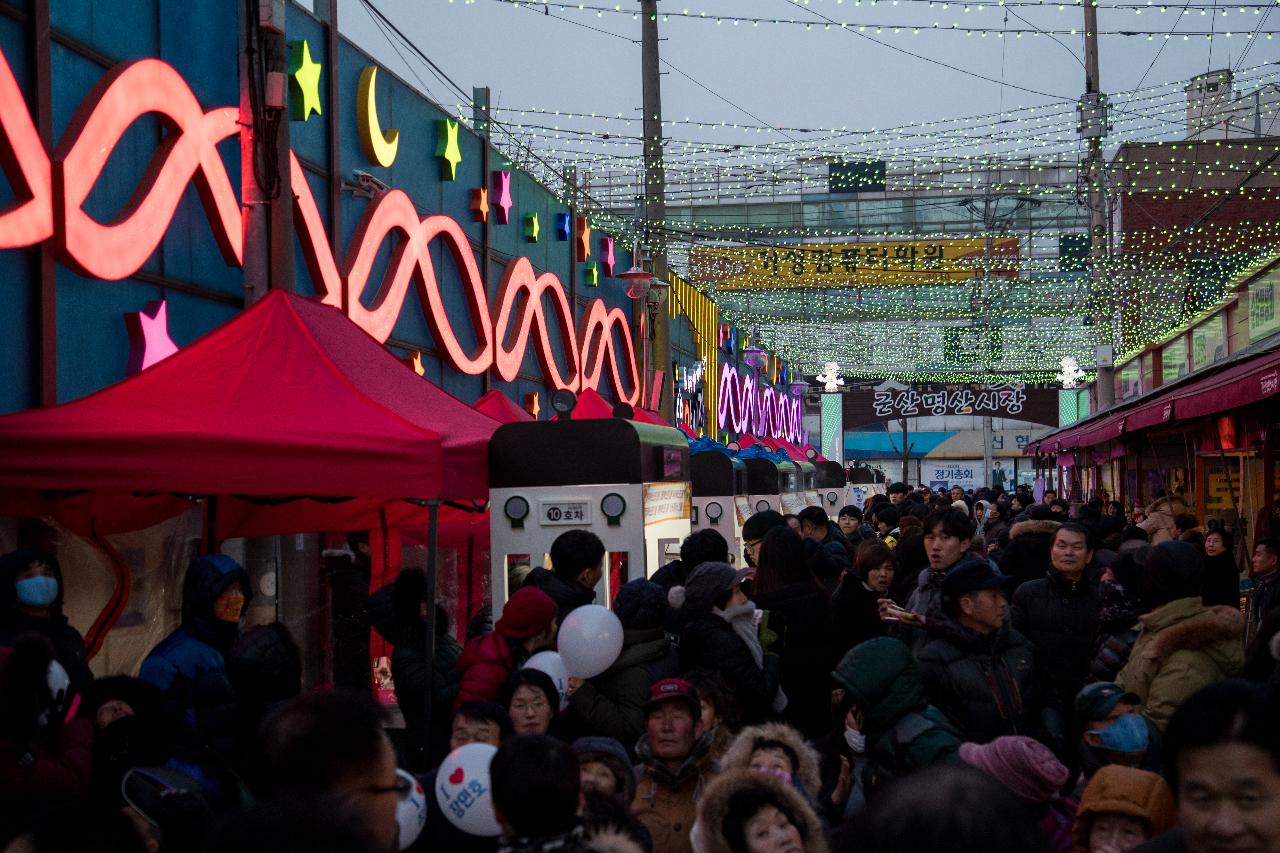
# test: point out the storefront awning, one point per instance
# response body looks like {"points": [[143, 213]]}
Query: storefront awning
{"points": [[1251, 378]]}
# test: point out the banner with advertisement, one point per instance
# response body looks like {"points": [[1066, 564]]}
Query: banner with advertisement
{"points": [[893, 263], [965, 473]]}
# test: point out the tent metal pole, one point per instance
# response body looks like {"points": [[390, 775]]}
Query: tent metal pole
{"points": [[433, 548]]}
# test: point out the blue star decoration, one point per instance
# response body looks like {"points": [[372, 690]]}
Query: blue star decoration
{"points": [[591, 275], [564, 225]]}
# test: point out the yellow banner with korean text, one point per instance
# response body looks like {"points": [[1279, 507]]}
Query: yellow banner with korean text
{"points": [[895, 263]]}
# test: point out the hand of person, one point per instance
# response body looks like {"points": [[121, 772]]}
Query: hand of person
{"points": [[844, 784], [573, 684]]}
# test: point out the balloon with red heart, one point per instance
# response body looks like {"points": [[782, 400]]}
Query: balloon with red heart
{"points": [[463, 791]]}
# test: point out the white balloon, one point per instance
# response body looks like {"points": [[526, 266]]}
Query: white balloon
{"points": [[590, 640], [553, 665], [463, 791], [411, 812]]}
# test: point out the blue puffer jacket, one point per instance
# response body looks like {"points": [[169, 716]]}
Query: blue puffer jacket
{"points": [[188, 666]]}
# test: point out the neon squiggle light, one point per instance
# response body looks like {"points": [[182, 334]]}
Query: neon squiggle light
{"points": [[51, 192], [745, 407]]}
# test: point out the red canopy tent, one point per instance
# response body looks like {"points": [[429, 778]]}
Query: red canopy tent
{"points": [[500, 407], [288, 418], [288, 398]]}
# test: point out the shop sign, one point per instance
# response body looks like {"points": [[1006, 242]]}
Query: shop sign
{"points": [[748, 405], [666, 502], [891, 401], [52, 187], [910, 262], [1263, 317], [943, 475], [690, 404]]}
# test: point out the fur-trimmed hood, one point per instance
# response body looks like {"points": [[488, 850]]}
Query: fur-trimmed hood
{"points": [[1045, 525], [612, 841], [714, 807], [738, 755], [1187, 625]]}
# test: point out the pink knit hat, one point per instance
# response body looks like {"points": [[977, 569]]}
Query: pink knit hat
{"points": [[1022, 764]]}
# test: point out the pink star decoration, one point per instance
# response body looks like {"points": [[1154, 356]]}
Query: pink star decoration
{"points": [[606, 256], [500, 198], [149, 340]]}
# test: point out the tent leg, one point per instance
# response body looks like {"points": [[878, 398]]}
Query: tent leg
{"points": [[433, 549]]}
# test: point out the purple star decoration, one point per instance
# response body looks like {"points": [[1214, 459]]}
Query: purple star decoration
{"points": [[606, 256], [501, 197], [149, 340]]}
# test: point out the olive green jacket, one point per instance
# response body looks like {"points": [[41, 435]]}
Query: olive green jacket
{"points": [[1182, 647]]}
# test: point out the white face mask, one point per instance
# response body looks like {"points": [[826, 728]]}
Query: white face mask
{"points": [[856, 740]]}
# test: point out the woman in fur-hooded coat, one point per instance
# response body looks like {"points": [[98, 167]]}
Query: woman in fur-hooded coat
{"points": [[806, 776], [722, 817]]}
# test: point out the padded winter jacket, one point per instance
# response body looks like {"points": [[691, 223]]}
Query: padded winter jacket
{"points": [[667, 802], [484, 664], [855, 615], [612, 703], [798, 612], [188, 667], [709, 642], [984, 684], [1060, 618], [1159, 521], [904, 732], [1182, 647]]}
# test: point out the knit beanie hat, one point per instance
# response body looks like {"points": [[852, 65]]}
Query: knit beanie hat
{"points": [[705, 585], [528, 612], [609, 752], [761, 523], [640, 604], [1023, 765]]}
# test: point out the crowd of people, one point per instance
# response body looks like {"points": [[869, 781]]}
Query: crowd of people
{"points": [[931, 672]]}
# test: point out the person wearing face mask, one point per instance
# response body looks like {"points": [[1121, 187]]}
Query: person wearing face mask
{"points": [[330, 746], [1121, 808], [31, 594], [885, 728], [1113, 732], [188, 667]]}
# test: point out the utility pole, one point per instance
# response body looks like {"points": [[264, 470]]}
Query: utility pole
{"points": [[1094, 124], [655, 195], [988, 225]]}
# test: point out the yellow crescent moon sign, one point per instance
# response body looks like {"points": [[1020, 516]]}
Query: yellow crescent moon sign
{"points": [[379, 147]]}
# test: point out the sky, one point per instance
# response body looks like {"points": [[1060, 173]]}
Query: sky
{"points": [[787, 75]]}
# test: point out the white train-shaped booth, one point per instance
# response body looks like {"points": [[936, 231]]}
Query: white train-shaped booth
{"points": [[626, 481]]}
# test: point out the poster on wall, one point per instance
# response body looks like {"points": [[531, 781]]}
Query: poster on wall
{"points": [[944, 474]]}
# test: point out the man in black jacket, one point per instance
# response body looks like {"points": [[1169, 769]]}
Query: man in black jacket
{"points": [[976, 667], [815, 524], [577, 564], [1059, 615]]}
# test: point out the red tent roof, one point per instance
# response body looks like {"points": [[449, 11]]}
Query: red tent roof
{"points": [[649, 416], [592, 405], [500, 407], [288, 398]]}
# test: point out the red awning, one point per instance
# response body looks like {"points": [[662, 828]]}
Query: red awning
{"points": [[591, 405], [288, 398], [649, 416], [1230, 386], [499, 406]]}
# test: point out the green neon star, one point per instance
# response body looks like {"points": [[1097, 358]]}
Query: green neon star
{"points": [[592, 275], [304, 82], [447, 149], [531, 227]]}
